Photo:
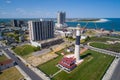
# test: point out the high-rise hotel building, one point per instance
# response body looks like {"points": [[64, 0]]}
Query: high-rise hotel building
{"points": [[61, 18], [41, 30], [15, 23]]}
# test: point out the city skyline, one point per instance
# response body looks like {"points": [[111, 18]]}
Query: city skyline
{"points": [[48, 8]]}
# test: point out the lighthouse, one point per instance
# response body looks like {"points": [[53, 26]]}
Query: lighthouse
{"points": [[69, 62], [77, 44]]}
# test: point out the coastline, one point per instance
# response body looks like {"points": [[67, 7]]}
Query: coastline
{"points": [[101, 20]]}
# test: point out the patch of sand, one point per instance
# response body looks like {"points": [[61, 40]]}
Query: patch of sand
{"points": [[37, 60]]}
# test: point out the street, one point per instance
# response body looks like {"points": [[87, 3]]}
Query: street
{"points": [[102, 51], [27, 70]]}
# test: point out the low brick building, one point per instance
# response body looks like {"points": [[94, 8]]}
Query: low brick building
{"points": [[6, 64]]}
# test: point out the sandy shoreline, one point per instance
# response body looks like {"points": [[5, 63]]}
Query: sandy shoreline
{"points": [[102, 20]]}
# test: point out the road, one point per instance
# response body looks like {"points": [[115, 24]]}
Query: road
{"points": [[27, 70], [116, 73], [102, 51]]}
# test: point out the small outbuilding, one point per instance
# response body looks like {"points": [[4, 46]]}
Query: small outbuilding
{"points": [[6, 64]]}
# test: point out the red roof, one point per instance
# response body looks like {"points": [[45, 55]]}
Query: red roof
{"points": [[68, 62], [8, 61]]}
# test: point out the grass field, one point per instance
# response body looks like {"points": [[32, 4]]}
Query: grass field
{"points": [[2, 58], [10, 74], [98, 39], [25, 50], [101, 39], [99, 45], [52, 65], [113, 37], [93, 68], [111, 47]]}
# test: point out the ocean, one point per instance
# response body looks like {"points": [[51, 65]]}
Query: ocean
{"points": [[111, 24]]}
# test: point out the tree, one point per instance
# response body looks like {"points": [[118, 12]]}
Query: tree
{"points": [[37, 48], [16, 32]]}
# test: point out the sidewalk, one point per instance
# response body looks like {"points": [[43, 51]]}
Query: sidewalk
{"points": [[19, 69], [23, 73], [110, 70], [6, 55], [37, 71]]}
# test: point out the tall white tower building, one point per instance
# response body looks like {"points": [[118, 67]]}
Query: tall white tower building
{"points": [[77, 44], [61, 17]]}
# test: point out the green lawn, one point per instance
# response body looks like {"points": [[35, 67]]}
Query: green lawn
{"points": [[11, 74], [98, 39], [99, 45], [113, 37], [111, 47], [2, 58], [93, 68], [25, 50], [52, 65], [101, 39]]}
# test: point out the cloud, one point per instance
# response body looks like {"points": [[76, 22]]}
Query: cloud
{"points": [[8, 1], [20, 11]]}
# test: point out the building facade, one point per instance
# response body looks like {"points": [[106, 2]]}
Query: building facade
{"points": [[41, 30], [61, 18], [67, 64], [15, 23]]}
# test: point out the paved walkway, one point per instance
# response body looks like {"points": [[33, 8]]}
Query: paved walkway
{"points": [[111, 69], [116, 74], [23, 73], [56, 73], [6, 54], [102, 51]]}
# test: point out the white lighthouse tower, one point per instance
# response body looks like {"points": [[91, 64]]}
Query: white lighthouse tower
{"points": [[77, 44], [76, 54]]}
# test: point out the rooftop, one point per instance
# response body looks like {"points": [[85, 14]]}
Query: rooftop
{"points": [[68, 62], [8, 61]]}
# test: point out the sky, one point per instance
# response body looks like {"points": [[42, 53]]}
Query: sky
{"points": [[49, 8]]}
